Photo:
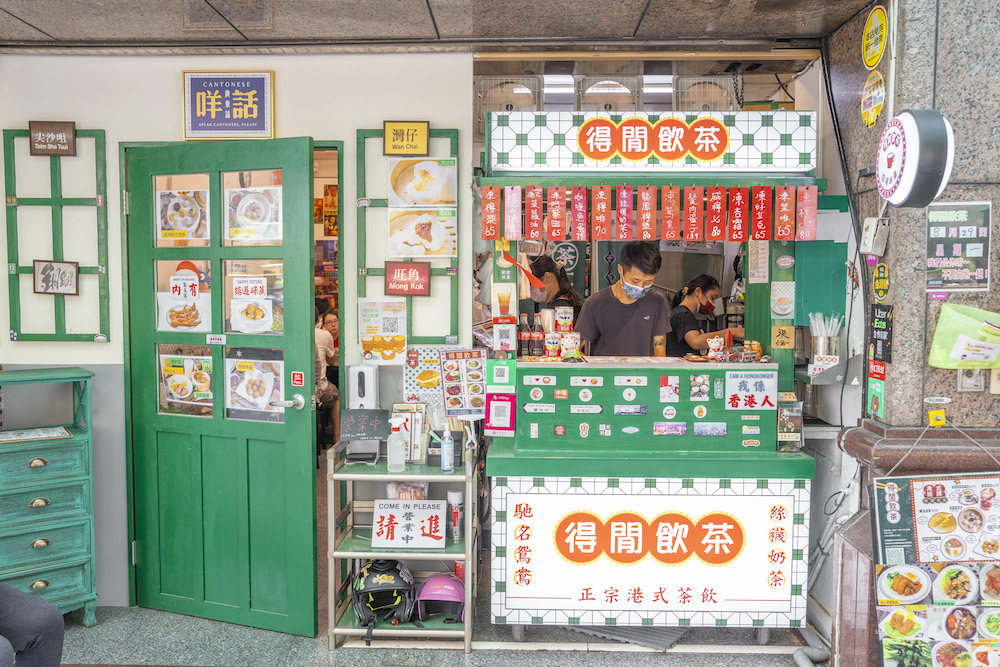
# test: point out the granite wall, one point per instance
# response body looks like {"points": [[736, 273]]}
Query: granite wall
{"points": [[946, 58]]}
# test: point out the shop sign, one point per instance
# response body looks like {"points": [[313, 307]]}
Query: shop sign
{"points": [[914, 159], [880, 283], [573, 141], [406, 137], [958, 246], [875, 36], [51, 138], [408, 524], [872, 98], [579, 215], [407, 278], [881, 333], [557, 213], [782, 337], [623, 213], [751, 390], [694, 213], [670, 211], [491, 207], [808, 203], [681, 554], [229, 105]]}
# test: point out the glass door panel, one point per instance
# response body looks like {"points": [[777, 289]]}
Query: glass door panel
{"points": [[182, 211], [253, 207], [254, 296]]}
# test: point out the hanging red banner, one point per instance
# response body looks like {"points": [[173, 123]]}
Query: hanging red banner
{"points": [[557, 214], [532, 213], [760, 220], [645, 215], [670, 212], [784, 213], [808, 199], [600, 204], [739, 212], [512, 212], [490, 212], [623, 213], [578, 228], [715, 228], [694, 214]]}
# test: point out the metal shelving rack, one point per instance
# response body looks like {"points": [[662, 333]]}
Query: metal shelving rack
{"points": [[349, 540]]}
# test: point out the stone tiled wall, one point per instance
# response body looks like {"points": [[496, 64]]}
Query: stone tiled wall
{"points": [[947, 55]]}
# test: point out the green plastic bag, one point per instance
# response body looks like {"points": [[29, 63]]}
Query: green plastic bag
{"points": [[966, 337]]}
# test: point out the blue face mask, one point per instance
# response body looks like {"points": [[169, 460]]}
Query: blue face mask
{"points": [[633, 291]]}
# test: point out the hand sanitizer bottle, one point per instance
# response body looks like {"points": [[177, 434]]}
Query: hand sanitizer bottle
{"points": [[447, 451], [395, 447]]}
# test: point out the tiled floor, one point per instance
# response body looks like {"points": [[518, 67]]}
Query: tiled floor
{"points": [[137, 636]]}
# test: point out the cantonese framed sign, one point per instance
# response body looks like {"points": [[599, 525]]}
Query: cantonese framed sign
{"points": [[234, 104]]}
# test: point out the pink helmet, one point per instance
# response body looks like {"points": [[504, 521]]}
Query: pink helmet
{"points": [[441, 594]]}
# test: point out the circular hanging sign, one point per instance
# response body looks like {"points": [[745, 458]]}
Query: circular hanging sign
{"points": [[875, 37], [880, 285], [915, 156], [872, 98]]}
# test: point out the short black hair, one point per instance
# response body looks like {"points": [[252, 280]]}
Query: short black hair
{"points": [[641, 255]]}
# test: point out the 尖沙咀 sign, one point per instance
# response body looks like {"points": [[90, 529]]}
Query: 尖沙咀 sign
{"points": [[407, 278], [51, 138], [229, 105], [406, 137]]}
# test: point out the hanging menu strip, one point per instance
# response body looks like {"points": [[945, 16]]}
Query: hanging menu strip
{"points": [[533, 213], [557, 214], [694, 214], [761, 215], [601, 212], [490, 212], [512, 212], [670, 210], [807, 205], [645, 216], [623, 221], [579, 225], [739, 203], [716, 227], [784, 213]]}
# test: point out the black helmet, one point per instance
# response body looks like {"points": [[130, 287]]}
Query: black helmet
{"points": [[382, 586]]}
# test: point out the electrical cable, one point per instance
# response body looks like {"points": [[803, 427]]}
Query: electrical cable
{"points": [[782, 87]]}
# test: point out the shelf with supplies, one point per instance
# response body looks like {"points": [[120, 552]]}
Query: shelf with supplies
{"points": [[350, 538], [849, 370]]}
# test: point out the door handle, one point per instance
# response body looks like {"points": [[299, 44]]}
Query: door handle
{"points": [[297, 402]]}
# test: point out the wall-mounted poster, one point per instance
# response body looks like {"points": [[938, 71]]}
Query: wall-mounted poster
{"points": [[51, 277], [425, 183], [254, 214], [464, 383], [423, 233], [958, 246], [182, 214], [229, 105], [330, 206], [382, 330]]}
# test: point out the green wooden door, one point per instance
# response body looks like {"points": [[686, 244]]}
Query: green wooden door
{"points": [[220, 314]]}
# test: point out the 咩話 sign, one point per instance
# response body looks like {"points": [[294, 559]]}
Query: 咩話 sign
{"points": [[229, 105], [406, 137], [51, 138]]}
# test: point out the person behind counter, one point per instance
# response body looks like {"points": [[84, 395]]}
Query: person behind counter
{"points": [[627, 319], [558, 290], [327, 331], [697, 296]]}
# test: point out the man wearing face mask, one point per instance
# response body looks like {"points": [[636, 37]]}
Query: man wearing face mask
{"points": [[558, 290], [698, 296], [627, 319]]}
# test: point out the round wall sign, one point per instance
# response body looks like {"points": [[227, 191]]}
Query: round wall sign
{"points": [[875, 37], [915, 157]]}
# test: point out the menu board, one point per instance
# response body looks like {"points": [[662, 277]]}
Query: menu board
{"points": [[938, 587], [463, 374], [253, 381]]}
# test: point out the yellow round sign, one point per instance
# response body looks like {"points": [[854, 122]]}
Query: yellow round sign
{"points": [[875, 37], [872, 98]]}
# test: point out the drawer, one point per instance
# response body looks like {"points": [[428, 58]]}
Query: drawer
{"points": [[55, 583], [44, 502], [31, 547], [43, 463]]}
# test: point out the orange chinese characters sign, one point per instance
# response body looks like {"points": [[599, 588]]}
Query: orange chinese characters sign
{"points": [[670, 139], [645, 216], [600, 204], [491, 210], [532, 213], [557, 214], [579, 215], [670, 211]]}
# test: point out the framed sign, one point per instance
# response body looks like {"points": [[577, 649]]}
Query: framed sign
{"points": [[51, 137], [364, 424], [406, 137], [411, 524], [229, 105], [408, 278], [51, 277]]}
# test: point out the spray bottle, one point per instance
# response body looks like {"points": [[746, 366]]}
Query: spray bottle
{"points": [[447, 449], [395, 446]]}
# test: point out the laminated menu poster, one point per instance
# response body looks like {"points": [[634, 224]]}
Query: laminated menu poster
{"points": [[253, 381], [464, 383]]}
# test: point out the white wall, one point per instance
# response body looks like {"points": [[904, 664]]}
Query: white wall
{"points": [[135, 99]]}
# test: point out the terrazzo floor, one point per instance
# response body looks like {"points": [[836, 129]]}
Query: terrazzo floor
{"points": [[138, 636]]}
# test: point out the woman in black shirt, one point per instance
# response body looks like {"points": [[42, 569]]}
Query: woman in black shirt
{"points": [[686, 336], [558, 290]]}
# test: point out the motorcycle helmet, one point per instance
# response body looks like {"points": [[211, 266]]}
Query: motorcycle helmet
{"points": [[441, 594], [386, 587]]}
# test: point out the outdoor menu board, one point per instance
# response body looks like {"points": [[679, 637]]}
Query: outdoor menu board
{"points": [[464, 383], [958, 246], [938, 579]]}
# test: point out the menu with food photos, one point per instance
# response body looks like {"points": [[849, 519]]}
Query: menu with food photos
{"points": [[463, 374]]}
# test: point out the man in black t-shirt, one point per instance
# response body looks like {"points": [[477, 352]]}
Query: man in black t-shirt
{"points": [[627, 319]]}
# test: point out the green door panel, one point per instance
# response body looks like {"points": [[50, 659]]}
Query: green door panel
{"points": [[224, 483]]}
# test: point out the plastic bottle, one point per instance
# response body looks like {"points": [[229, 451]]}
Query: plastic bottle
{"points": [[447, 450], [395, 446], [538, 337]]}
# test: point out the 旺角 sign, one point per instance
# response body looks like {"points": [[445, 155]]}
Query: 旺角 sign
{"points": [[364, 425], [406, 137], [408, 278], [229, 105], [410, 524], [51, 138]]}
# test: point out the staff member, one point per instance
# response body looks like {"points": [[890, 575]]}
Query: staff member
{"points": [[696, 297], [558, 290], [626, 319]]}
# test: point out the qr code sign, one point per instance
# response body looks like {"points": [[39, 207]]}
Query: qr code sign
{"points": [[390, 325], [501, 374], [894, 556]]}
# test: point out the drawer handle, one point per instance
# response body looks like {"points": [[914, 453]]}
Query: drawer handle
{"points": [[38, 462], [38, 584], [39, 502], [40, 542]]}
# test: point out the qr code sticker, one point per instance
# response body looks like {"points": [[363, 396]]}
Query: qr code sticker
{"points": [[499, 413], [505, 335], [390, 325], [500, 374], [894, 556]]}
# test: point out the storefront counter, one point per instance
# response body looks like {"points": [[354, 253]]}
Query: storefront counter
{"points": [[648, 492]]}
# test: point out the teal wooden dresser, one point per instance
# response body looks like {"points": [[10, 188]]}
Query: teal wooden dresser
{"points": [[47, 500]]}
